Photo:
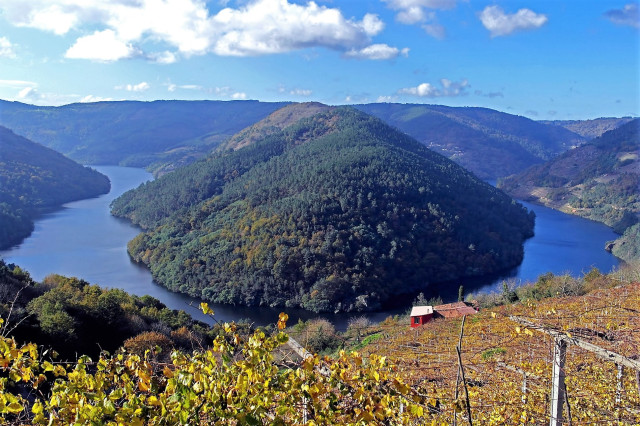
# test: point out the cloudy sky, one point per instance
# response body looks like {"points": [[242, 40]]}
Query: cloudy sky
{"points": [[552, 59]]}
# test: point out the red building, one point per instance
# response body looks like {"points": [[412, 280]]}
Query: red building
{"points": [[421, 315]]}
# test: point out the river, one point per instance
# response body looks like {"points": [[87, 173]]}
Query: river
{"points": [[83, 240]]}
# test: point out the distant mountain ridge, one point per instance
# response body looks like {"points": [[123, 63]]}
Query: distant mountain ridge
{"points": [[490, 143], [590, 128], [33, 178], [599, 180], [331, 210], [165, 134]]}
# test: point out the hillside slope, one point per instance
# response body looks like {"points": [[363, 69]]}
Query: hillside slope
{"points": [[490, 143], [490, 368], [33, 178], [164, 133], [72, 316], [590, 129], [598, 180], [337, 211], [508, 366]]}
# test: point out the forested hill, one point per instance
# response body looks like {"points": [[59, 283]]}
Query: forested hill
{"points": [[490, 143], [598, 180], [32, 178], [337, 211], [164, 133]]}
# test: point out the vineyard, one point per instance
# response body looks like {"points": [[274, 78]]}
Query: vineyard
{"points": [[495, 367], [508, 366]]}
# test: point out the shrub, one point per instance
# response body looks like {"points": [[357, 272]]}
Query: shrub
{"points": [[317, 335], [149, 340]]}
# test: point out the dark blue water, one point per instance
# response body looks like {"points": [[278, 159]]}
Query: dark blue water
{"points": [[562, 244], [83, 240]]}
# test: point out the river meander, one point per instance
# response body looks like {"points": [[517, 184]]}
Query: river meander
{"points": [[83, 240]]}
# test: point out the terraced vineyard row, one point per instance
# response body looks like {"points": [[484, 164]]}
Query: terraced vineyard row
{"points": [[508, 367]]}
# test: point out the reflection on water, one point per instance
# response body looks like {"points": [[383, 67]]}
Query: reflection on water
{"points": [[83, 240]]}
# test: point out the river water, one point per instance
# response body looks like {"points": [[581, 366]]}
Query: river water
{"points": [[83, 240]]}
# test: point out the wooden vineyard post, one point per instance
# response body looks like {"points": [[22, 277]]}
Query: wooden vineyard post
{"points": [[620, 384], [460, 376], [558, 390], [305, 412], [557, 382]]}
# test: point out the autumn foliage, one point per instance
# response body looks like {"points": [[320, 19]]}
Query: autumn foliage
{"points": [[235, 381]]}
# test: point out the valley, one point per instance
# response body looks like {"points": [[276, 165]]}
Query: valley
{"points": [[83, 240], [34, 179], [325, 213], [318, 213], [598, 180]]}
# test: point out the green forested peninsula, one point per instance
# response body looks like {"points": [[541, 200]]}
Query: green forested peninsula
{"points": [[337, 211], [599, 180], [33, 178]]}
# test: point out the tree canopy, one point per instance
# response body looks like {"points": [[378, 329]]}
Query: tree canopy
{"points": [[336, 212]]}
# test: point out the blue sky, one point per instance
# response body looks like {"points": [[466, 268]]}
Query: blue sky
{"points": [[550, 59]]}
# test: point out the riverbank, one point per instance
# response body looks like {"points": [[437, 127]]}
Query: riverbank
{"points": [[85, 241]]}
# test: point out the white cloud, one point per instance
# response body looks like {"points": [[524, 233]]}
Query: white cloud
{"points": [[371, 24], [414, 11], [276, 26], [221, 92], [424, 90], [6, 48], [140, 87], [446, 88], [257, 27], [57, 17], [92, 98], [377, 52], [500, 24], [165, 57], [435, 30], [628, 15], [300, 92], [411, 15], [30, 94], [404, 5], [386, 99], [101, 46]]}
